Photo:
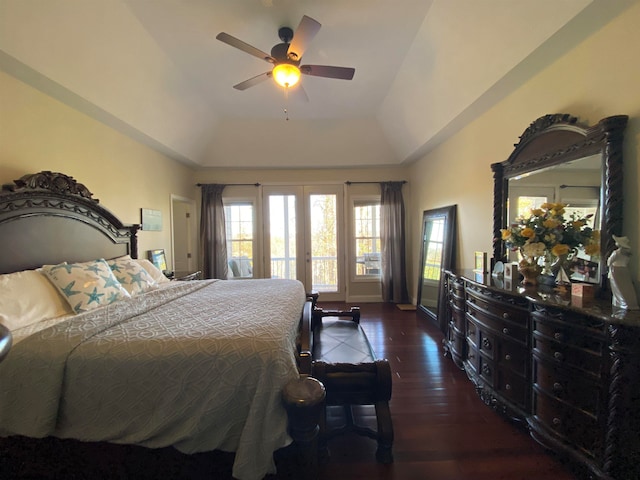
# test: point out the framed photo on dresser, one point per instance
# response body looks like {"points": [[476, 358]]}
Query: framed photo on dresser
{"points": [[480, 262]]}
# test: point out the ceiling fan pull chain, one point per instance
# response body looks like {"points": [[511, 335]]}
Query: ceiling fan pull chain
{"points": [[286, 101]]}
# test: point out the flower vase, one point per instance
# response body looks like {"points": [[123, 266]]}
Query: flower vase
{"points": [[530, 273], [546, 275], [547, 270]]}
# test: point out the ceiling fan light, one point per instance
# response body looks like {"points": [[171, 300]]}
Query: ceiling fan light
{"points": [[286, 75]]}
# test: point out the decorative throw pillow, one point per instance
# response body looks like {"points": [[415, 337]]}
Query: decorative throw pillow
{"points": [[131, 275], [152, 270], [86, 285]]}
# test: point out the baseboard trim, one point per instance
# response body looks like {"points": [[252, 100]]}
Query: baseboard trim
{"points": [[364, 299]]}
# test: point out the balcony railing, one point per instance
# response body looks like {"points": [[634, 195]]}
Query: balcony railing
{"points": [[324, 271], [324, 274]]}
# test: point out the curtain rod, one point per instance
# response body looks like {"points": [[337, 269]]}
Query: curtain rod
{"points": [[234, 184], [353, 183]]}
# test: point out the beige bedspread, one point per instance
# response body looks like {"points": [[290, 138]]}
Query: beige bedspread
{"points": [[199, 366]]}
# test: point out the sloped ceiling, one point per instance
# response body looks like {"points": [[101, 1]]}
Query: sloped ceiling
{"points": [[154, 71]]}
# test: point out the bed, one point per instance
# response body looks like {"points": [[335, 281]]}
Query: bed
{"points": [[138, 360]]}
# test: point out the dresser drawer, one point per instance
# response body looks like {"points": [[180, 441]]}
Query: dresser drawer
{"points": [[457, 340], [573, 390], [472, 330], [486, 369], [497, 307], [569, 334], [498, 324], [578, 428], [486, 343], [563, 355], [473, 357], [458, 317], [456, 292], [513, 356], [513, 387], [575, 320], [457, 299]]}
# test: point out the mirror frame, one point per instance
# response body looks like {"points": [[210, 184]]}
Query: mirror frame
{"points": [[448, 252], [555, 139]]}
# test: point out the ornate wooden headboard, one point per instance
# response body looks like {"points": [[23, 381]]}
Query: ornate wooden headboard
{"points": [[48, 218]]}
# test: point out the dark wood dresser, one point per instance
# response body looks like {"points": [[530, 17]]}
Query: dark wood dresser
{"points": [[569, 373]]}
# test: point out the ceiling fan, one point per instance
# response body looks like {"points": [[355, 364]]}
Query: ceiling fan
{"points": [[286, 56]]}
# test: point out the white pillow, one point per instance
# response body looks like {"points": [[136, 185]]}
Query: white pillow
{"points": [[154, 271], [27, 297], [131, 275], [86, 285]]}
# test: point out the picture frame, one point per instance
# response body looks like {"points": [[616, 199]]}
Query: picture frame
{"points": [[480, 262], [158, 258], [151, 219], [510, 271]]}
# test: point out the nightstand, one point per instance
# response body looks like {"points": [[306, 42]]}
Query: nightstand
{"points": [[187, 276]]}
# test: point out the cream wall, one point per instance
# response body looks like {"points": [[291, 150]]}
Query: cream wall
{"points": [[39, 133], [600, 77]]}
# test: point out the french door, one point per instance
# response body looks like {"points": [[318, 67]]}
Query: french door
{"points": [[303, 237]]}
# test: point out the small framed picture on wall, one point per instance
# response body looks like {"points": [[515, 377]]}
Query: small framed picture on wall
{"points": [[481, 262], [151, 219]]}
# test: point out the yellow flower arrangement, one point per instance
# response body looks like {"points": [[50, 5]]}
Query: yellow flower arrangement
{"points": [[546, 231]]}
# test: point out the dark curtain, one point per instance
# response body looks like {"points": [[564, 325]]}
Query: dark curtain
{"points": [[213, 237], [392, 243]]}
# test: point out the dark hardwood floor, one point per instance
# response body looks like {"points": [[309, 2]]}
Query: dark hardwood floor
{"points": [[443, 431]]}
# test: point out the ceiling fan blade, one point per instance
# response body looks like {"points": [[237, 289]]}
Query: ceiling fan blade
{"points": [[342, 73], [303, 35], [252, 81], [245, 47]]}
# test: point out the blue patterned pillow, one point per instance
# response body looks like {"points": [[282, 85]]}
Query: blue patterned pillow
{"points": [[86, 285], [131, 275]]}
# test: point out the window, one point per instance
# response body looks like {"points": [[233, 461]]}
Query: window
{"points": [[239, 226], [434, 239], [366, 214]]}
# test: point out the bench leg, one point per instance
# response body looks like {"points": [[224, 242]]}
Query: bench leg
{"points": [[323, 439], [385, 433]]}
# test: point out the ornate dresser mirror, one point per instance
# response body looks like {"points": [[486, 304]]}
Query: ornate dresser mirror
{"points": [[438, 233], [559, 160]]}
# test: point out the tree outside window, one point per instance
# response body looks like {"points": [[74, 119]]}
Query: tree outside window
{"points": [[239, 226], [366, 214]]}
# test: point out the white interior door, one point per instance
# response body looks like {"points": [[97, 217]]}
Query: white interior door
{"points": [[183, 238], [303, 237]]}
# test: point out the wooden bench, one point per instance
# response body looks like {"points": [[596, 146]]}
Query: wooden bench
{"points": [[344, 361]]}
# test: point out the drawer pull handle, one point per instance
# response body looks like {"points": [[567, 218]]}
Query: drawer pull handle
{"points": [[508, 386], [505, 331], [557, 387], [505, 315], [507, 357], [558, 336], [556, 421], [558, 356], [486, 370], [486, 343]]}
